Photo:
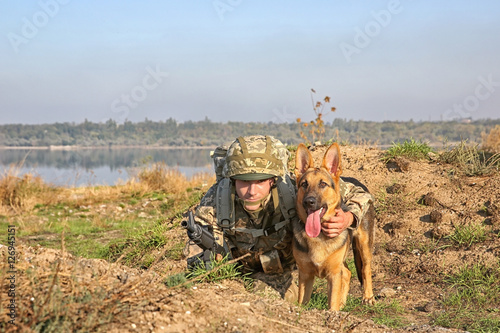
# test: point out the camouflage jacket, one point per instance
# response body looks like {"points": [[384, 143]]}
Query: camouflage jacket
{"points": [[356, 200]]}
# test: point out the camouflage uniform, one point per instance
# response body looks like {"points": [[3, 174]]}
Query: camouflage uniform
{"points": [[356, 201], [239, 238]]}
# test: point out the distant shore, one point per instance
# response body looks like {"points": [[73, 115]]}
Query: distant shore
{"points": [[101, 147]]}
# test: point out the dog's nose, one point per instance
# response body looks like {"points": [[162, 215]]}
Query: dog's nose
{"points": [[310, 202]]}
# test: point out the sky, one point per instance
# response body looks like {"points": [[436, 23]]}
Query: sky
{"points": [[250, 61]]}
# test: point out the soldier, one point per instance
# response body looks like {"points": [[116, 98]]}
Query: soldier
{"points": [[252, 204]]}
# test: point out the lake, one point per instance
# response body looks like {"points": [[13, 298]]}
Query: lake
{"points": [[96, 166]]}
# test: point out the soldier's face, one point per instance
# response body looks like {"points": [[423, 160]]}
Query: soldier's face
{"points": [[253, 191]]}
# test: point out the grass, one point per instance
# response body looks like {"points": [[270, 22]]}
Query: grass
{"points": [[104, 221], [413, 150], [472, 300], [426, 246], [393, 204], [20, 193], [384, 312], [467, 159], [466, 235], [220, 270]]}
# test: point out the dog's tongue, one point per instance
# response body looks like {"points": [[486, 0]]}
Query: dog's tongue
{"points": [[313, 224]]}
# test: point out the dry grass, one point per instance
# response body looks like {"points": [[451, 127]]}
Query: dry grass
{"points": [[470, 161], [21, 193], [63, 293], [160, 177], [491, 141]]}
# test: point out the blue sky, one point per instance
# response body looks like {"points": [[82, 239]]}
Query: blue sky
{"points": [[242, 60]]}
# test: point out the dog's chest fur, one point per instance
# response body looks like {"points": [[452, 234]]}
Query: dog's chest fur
{"points": [[316, 251]]}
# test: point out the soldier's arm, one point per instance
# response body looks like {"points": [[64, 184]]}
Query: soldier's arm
{"points": [[205, 213], [356, 201]]}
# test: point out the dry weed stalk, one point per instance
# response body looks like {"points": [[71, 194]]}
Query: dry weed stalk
{"points": [[316, 126]]}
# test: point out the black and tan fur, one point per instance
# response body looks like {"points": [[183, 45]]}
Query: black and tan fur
{"points": [[322, 256]]}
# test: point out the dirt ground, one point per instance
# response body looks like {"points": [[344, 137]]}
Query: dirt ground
{"points": [[419, 203]]}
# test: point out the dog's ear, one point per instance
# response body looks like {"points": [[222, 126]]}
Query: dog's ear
{"points": [[331, 161], [303, 160]]}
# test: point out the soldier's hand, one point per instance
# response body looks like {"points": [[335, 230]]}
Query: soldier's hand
{"points": [[337, 224]]}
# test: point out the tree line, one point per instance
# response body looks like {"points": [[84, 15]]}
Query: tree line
{"points": [[207, 133]]}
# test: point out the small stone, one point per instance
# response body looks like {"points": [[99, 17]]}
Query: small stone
{"points": [[387, 292], [429, 307]]}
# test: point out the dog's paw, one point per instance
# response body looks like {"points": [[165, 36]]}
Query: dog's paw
{"points": [[369, 300]]}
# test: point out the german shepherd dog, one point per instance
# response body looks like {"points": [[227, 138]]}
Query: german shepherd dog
{"points": [[318, 197]]}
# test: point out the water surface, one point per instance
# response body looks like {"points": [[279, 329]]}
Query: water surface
{"points": [[84, 167]]}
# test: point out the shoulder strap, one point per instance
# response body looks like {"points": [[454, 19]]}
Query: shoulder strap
{"points": [[225, 204], [287, 197]]}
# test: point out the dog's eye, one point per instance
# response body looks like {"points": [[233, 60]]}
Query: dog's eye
{"points": [[322, 184], [304, 184]]}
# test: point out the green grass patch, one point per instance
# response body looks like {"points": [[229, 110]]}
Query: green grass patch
{"points": [[472, 302], [466, 235], [396, 204], [319, 296], [220, 270], [136, 248], [384, 312], [413, 150]]}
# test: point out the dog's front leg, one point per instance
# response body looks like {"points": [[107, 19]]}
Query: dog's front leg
{"points": [[335, 291], [306, 282], [338, 276]]}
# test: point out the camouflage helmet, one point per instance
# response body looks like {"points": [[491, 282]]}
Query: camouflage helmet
{"points": [[256, 157]]}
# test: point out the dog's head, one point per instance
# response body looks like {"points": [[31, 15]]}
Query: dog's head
{"points": [[318, 192]]}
